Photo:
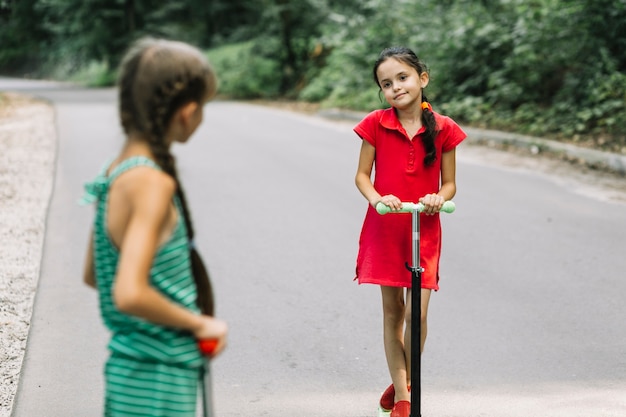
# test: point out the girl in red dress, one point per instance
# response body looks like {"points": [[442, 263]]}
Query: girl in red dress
{"points": [[412, 149]]}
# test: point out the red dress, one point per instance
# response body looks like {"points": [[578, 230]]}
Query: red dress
{"points": [[385, 242]]}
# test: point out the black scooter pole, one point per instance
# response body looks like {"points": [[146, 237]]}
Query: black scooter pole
{"points": [[416, 322], [416, 297], [206, 389]]}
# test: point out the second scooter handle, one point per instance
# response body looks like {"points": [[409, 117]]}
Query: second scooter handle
{"points": [[207, 346], [382, 208]]}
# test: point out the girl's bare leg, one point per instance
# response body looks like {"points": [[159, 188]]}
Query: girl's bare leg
{"points": [[425, 299], [393, 327]]}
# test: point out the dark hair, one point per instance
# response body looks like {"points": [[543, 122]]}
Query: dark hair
{"points": [[408, 57], [156, 78]]}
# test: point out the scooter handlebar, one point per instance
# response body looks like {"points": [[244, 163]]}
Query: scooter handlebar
{"points": [[207, 346], [381, 208]]}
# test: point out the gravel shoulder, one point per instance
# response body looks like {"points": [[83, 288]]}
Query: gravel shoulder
{"points": [[27, 152], [28, 141]]}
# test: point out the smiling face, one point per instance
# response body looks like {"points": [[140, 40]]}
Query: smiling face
{"points": [[400, 83]]}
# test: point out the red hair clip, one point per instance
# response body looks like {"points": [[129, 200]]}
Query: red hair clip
{"points": [[426, 105]]}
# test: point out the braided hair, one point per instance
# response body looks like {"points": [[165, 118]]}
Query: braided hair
{"points": [[408, 57], [156, 78]]}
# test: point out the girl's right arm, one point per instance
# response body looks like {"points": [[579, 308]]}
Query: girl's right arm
{"points": [[363, 179], [132, 292]]}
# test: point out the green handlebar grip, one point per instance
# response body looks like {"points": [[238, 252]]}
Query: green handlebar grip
{"points": [[448, 207], [381, 208]]}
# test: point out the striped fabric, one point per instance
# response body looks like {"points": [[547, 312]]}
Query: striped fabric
{"points": [[149, 389], [153, 370]]}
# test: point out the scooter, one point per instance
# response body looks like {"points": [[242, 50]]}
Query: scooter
{"points": [[416, 296], [207, 347]]}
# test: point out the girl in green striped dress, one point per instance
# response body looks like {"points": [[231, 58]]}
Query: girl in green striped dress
{"points": [[154, 292]]}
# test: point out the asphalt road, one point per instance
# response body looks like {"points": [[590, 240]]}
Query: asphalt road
{"points": [[529, 320]]}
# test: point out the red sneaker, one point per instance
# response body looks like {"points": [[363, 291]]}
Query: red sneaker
{"points": [[387, 399], [401, 409]]}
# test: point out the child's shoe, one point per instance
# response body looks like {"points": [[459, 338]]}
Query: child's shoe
{"points": [[386, 400], [401, 409]]}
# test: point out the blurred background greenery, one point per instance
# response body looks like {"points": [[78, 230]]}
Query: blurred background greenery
{"points": [[554, 68]]}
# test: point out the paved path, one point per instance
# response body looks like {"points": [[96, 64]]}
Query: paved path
{"points": [[529, 320]]}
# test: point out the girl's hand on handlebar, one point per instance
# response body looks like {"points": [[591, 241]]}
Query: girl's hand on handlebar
{"points": [[390, 201], [213, 329], [432, 203]]}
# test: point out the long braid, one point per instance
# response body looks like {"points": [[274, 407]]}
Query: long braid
{"points": [[172, 75], [428, 138], [158, 113], [206, 300]]}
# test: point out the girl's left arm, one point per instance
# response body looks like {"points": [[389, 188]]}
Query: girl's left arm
{"points": [[448, 175], [434, 202]]}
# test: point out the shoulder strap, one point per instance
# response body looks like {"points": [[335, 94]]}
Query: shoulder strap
{"points": [[131, 163], [137, 161], [96, 189]]}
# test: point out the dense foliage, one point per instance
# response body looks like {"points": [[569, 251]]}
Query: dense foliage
{"points": [[545, 67]]}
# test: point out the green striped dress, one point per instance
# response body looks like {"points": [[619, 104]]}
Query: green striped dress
{"points": [[152, 370]]}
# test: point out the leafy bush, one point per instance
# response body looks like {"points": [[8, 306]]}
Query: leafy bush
{"points": [[354, 41], [95, 74], [523, 65], [245, 73], [545, 67]]}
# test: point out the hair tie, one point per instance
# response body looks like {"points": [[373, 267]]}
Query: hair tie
{"points": [[426, 105]]}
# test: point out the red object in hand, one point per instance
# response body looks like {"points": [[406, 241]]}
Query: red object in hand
{"points": [[207, 346]]}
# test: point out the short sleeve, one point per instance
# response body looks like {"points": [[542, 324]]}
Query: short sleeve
{"points": [[451, 134], [366, 129]]}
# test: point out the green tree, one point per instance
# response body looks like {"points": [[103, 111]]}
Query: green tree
{"points": [[288, 30], [354, 37], [605, 23], [100, 30], [22, 37], [228, 21], [535, 66], [275, 55]]}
